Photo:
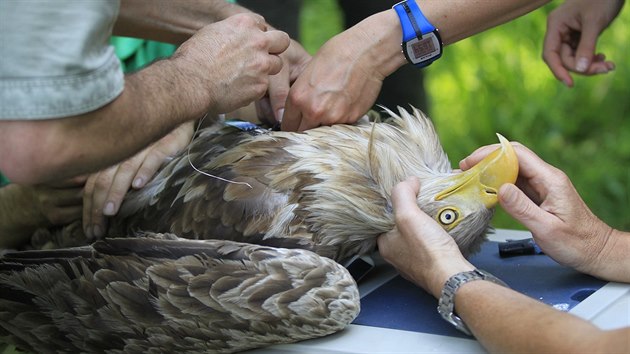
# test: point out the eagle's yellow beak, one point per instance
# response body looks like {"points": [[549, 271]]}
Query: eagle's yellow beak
{"points": [[483, 180]]}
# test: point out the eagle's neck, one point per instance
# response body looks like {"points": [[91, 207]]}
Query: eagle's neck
{"points": [[347, 174]]}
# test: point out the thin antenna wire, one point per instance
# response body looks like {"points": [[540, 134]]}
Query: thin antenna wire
{"points": [[222, 117]]}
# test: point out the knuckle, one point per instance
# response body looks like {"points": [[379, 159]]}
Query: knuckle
{"points": [[257, 65], [319, 111], [102, 182], [404, 216], [88, 188], [245, 19], [117, 195], [55, 217], [296, 98], [259, 89], [545, 56], [278, 94], [561, 177], [128, 166]]}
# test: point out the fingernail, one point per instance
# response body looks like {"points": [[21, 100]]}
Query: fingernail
{"points": [[280, 115], [602, 70], [137, 183], [582, 65], [109, 209], [97, 231]]}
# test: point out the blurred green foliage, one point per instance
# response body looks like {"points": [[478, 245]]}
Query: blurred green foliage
{"points": [[497, 82]]}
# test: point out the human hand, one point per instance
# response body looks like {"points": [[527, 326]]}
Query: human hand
{"points": [[57, 203], [344, 78], [106, 189], [270, 108], [550, 207], [232, 59], [572, 32], [23, 209], [419, 247], [337, 86]]}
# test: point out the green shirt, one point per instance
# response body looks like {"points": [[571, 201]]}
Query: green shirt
{"points": [[3, 180], [136, 53]]}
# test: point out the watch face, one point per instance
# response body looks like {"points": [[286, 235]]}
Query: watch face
{"points": [[424, 49]]}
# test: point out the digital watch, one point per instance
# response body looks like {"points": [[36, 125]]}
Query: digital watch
{"points": [[421, 42]]}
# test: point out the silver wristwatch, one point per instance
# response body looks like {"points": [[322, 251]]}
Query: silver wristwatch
{"points": [[447, 299]]}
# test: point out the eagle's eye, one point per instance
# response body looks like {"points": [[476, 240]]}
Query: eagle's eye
{"points": [[447, 216]]}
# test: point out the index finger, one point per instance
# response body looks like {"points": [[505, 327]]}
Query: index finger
{"points": [[292, 117], [73, 182], [552, 56], [529, 164], [585, 51], [279, 41], [476, 156], [278, 92]]}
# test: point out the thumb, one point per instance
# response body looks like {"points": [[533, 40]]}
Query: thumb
{"points": [[586, 48], [520, 207]]}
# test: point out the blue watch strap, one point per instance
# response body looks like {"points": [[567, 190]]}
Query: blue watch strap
{"points": [[412, 20], [421, 42]]}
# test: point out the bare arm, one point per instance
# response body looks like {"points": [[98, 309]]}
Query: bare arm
{"points": [[146, 110], [343, 80], [175, 21], [459, 19], [222, 67], [171, 21], [504, 321]]}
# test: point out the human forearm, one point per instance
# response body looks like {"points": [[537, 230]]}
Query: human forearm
{"points": [[343, 80], [86, 143], [170, 21], [505, 321], [223, 66], [502, 320], [612, 261], [455, 19], [459, 19]]}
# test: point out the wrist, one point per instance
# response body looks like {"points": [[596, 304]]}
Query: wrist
{"points": [[446, 303], [197, 98], [445, 268], [421, 41], [383, 32], [611, 261]]}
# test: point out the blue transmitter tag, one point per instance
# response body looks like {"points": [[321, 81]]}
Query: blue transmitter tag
{"points": [[248, 127]]}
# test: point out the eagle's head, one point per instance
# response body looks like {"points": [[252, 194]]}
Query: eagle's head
{"points": [[462, 202]]}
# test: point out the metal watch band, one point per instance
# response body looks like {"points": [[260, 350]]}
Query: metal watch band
{"points": [[446, 303]]}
